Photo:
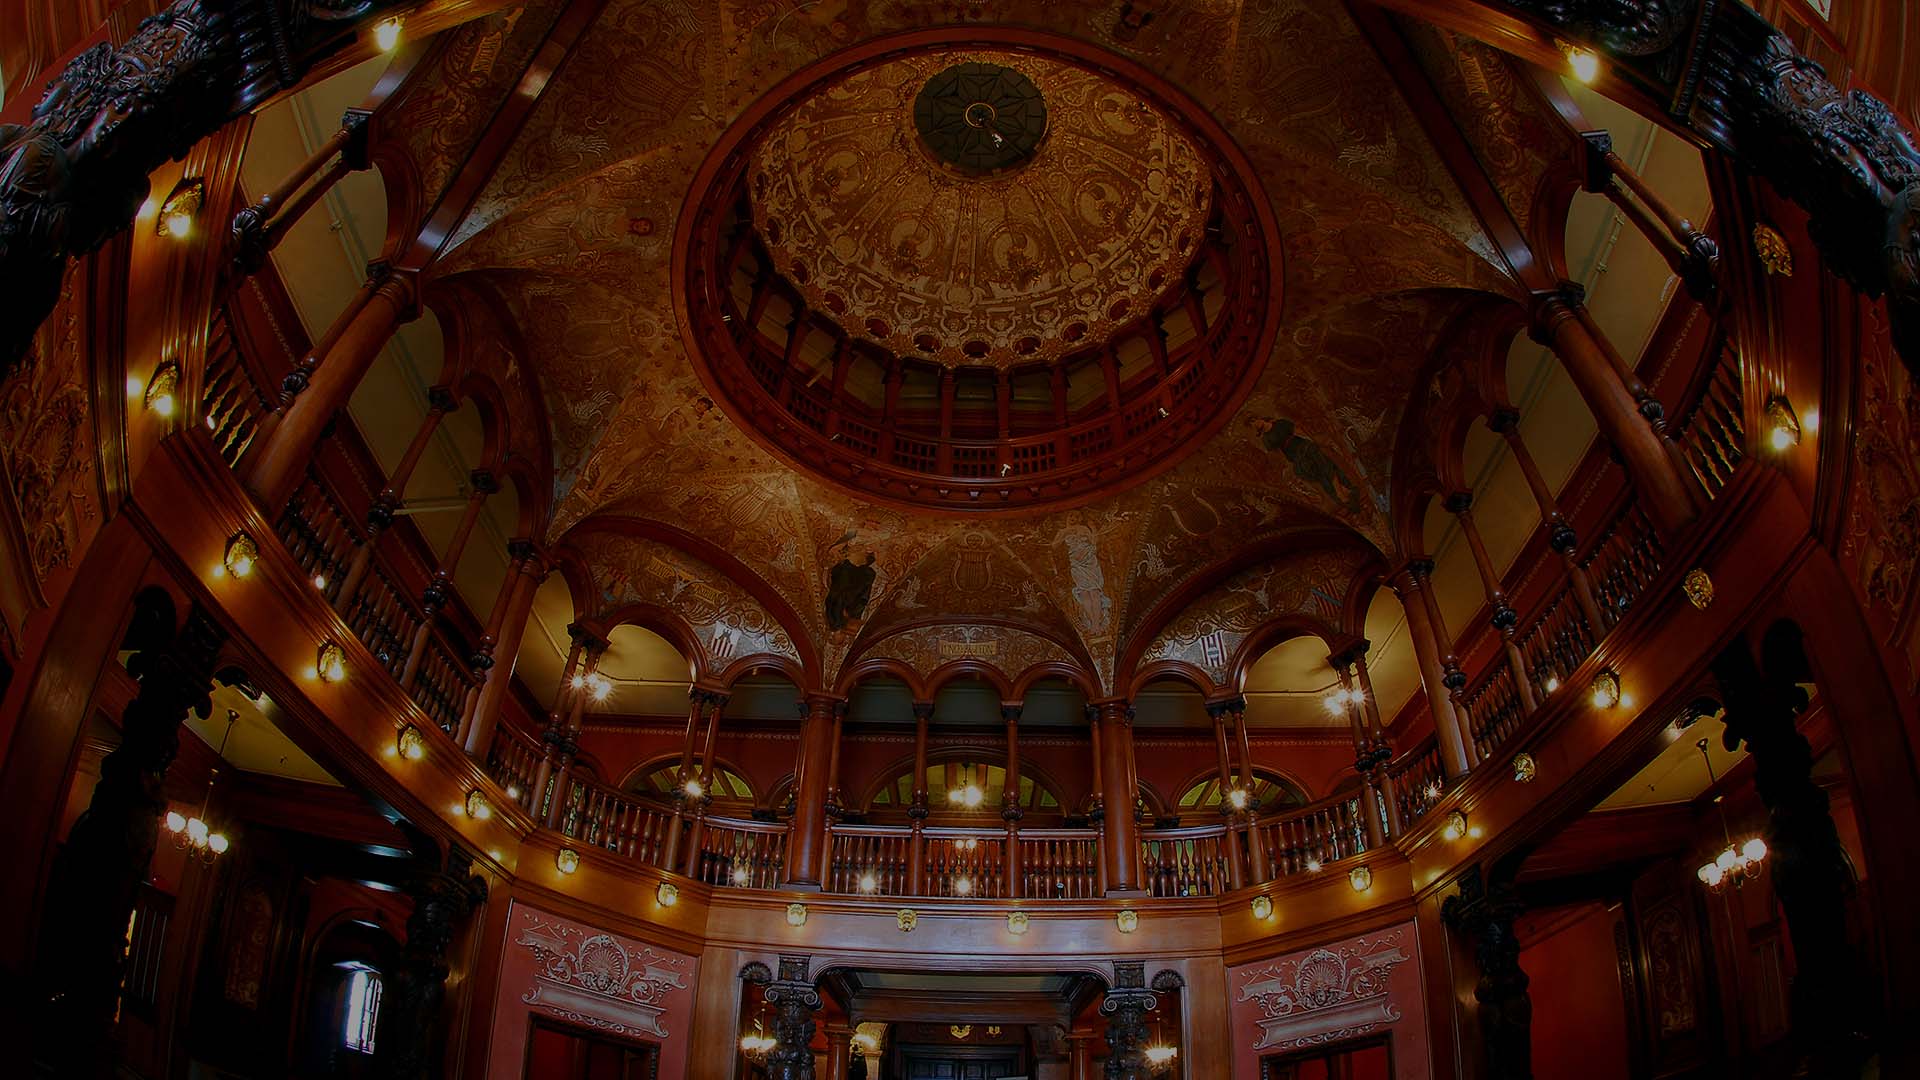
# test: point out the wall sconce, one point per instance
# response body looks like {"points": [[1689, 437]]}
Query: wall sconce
{"points": [[1361, 878], [1016, 923], [241, 555], [386, 35], [330, 663], [668, 894], [1783, 428], [566, 860], [176, 214], [478, 808], [906, 919], [1456, 826], [1582, 61], [1524, 768], [1606, 689], [1263, 907], [1128, 920], [161, 390], [410, 743], [869, 883], [796, 914]]}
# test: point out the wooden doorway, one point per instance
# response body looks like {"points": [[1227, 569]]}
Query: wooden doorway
{"points": [[1370, 1059], [960, 1063]]}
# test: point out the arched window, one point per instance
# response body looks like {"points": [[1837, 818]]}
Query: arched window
{"points": [[728, 786], [360, 1015], [962, 787], [1272, 791]]}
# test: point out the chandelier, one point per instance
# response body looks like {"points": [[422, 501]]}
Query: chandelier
{"points": [[969, 796], [192, 834], [757, 1044], [1736, 864]]}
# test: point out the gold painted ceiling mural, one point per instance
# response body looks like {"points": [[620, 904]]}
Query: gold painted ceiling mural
{"points": [[573, 235], [902, 249]]}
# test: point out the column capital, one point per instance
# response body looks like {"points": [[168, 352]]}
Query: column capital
{"points": [[1458, 503], [1599, 160], [1011, 712], [1504, 421], [831, 704], [483, 481], [923, 710], [440, 399], [1554, 307]]}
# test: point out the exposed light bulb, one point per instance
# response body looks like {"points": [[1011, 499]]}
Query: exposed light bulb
{"points": [[217, 843], [386, 35], [175, 822], [1583, 62], [740, 874], [695, 789], [1755, 849], [963, 886], [1238, 797], [869, 883]]}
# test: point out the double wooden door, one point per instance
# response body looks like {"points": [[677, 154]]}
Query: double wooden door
{"points": [[937, 1066]]}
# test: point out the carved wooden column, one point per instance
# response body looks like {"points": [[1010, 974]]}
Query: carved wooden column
{"points": [[439, 591], [697, 794], [411, 1025], [1257, 860], [1438, 672], [1097, 805], [698, 701], [322, 390], [1504, 618], [1010, 811], [1119, 789], [98, 871], [1483, 913], [839, 1050], [1633, 426], [1126, 1007], [1230, 815], [1366, 755], [551, 735], [943, 454], [794, 1000], [807, 837], [1560, 535], [1379, 748], [917, 810], [836, 803], [568, 744], [259, 228], [1689, 252], [1810, 871], [440, 402], [500, 646]]}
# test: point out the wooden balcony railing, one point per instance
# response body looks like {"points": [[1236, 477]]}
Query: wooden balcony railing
{"points": [[1059, 864], [1186, 862], [745, 854], [1415, 779], [1302, 840]]}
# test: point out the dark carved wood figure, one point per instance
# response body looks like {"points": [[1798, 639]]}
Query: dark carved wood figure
{"points": [[91, 895], [1126, 1007], [794, 1001], [1484, 911], [444, 896], [1808, 866]]}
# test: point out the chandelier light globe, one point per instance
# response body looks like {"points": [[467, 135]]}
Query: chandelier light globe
{"points": [[694, 789], [1754, 849], [1238, 798]]}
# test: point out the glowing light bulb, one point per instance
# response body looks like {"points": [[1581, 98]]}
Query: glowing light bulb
{"points": [[740, 875], [869, 883], [963, 886], [1238, 797], [1313, 864], [694, 789], [1755, 849], [179, 224], [175, 822], [320, 581], [197, 831], [217, 843], [1726, 860], [1711, 874], [1583, 62], [386, 35]]}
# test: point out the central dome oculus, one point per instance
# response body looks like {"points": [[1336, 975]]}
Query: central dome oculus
{"points": [[981, 118], [979, 207]]}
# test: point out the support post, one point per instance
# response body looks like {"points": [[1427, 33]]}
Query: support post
{"points": [[1126, 1007], [806, 843], [1504, 618], [1438, 673], [501, 647], [1122, 850]]}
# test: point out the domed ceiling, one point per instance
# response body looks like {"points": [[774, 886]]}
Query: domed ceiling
{"points": [[874, 200], [572, 240]]}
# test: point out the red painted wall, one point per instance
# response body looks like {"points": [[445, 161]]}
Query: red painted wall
{"points": [[1359, 987], [1579, 1015], [551, 966]]}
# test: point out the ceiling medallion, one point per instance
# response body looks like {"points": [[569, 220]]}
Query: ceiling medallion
{"points": [[980, 118]]}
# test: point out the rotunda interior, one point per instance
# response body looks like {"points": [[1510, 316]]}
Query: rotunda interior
{"points": [[579, 539]]}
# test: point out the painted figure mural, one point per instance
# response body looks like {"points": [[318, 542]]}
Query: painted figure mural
{"points": [[1310, 462], [849, 587]]}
